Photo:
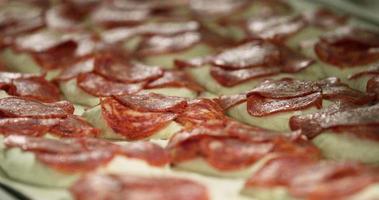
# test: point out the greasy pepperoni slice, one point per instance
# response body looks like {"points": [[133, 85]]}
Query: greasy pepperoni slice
{"points": [[275, 27], [26, 126], [133, 124], [152, 102], [324, 18], [61, 17], [98, 86], [285, 88], [228, 101], [348, 47], [81, 66], [261, 106], [230, 78], [279, 171], [334, 117], [331, 180], [110, 16], [199, 111], [240, 145], [252, 54], [21, 107], [175, 79], [36, 88], [159, 44], [150, 152], [118, 70], [74, 126], [373, 86], [130, 187]]}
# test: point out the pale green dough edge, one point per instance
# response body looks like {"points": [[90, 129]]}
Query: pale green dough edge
{"points": [[278, 121], [203, 77], [166, 60], [94, 116], [347, 147], [24, 167]]}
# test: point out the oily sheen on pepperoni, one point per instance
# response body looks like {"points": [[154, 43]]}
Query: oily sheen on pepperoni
{"points": [[252, 54], [313, 179], [131, 187], [152, 102], [99, 86], [160, 44], [336, 116], [240, 145], [132, 124], [175, 78], [115, 69], [275, 27], [348, 47], [31, 86], [83, 154], [22, 107], [199, 111], [71, 126]]}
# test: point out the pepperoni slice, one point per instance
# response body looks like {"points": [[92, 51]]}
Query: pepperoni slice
{"points": [[199, 111], [324, 18], [114, 69], [62, 17], [239, 144], [193, 62], [373, 86], [285, 88], [152, 102], [312, 179], [259, 106], [26, 126], [110, 16], [81, 66], [252, 54], [132, 124], [83, 154], [21, 107], [230, 78], [335, 117], [150, 152], [227, 102], [130, 187], [348, 47], [175, 79], [275, 27], [158, 44], [372, 70], [216, 8], [98, 86], [74, 126], [332, 180]]}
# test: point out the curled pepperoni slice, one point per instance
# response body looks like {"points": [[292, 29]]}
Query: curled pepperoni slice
{"points": [[150, 152], [130, 187], [335, 117], [74, 126], [36, 88], [21, 107], [152, 102], [239, 144], [158, 44], [348, 47], [285, 88], [132, 124], [331, 180], [261, 106], [372, 70], [26, 126], [175, 79], [62, 17], [275, 27], [98, 86], [230, 78], [199, 111], [81, 66], [227, 102], [252, 54], [117, 70]]}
